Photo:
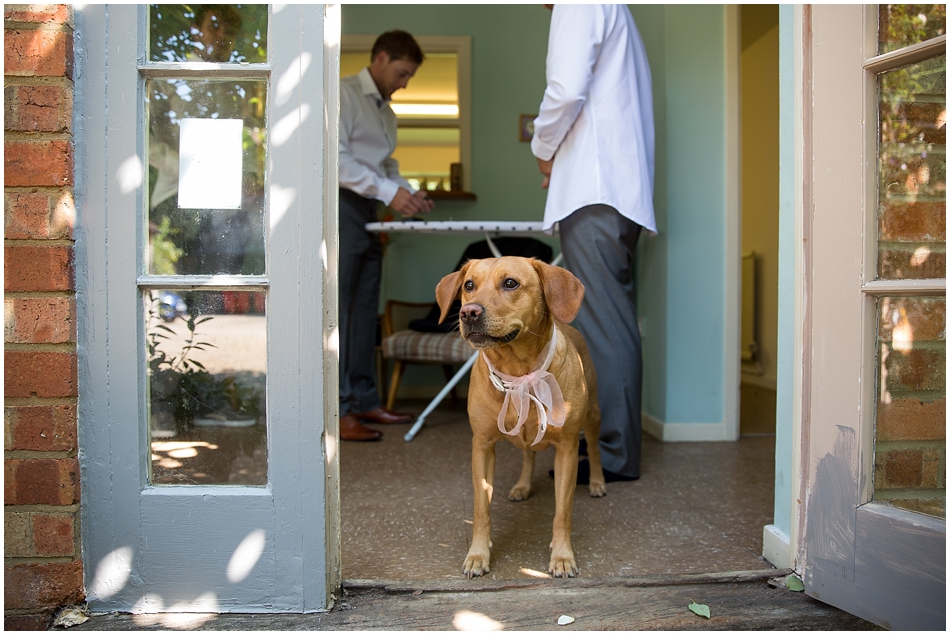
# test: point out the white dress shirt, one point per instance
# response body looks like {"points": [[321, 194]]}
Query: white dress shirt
{"points": [[367, 140], [596, 118]]}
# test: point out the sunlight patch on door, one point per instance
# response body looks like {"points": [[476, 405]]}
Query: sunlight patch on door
{"points": [[246, 556], [112, 573]]}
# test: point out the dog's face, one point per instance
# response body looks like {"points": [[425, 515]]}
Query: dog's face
{"points": [[503, 298]]}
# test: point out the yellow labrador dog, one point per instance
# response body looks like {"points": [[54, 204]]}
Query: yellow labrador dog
{"points": [[533, 384]]}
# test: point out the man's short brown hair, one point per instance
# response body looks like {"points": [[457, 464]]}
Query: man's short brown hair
{"points": [[399, 45]]}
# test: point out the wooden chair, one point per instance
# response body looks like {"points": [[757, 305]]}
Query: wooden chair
{"points": [[404, 346]]}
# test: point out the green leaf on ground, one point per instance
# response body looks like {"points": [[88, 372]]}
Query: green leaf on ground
{"points": [[794, 583], [699, 609]]}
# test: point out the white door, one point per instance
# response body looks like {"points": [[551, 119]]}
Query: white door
{"points": [[874, 432], [206, 247]]}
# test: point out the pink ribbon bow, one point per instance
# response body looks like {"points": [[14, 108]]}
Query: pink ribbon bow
{"points": [[538, 386]]}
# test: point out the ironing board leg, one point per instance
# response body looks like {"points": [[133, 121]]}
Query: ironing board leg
{"points": [[438, 398]]}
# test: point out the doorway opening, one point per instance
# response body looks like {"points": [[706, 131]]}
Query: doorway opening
{"points": [[760, 223], [406, 508]]}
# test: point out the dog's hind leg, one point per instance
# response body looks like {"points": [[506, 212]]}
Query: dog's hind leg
{"points": [[522, 488], [597, 485], [478, 560]]}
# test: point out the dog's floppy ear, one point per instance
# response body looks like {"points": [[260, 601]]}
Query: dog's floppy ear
{"points": [[563, 292], [447, 290]]}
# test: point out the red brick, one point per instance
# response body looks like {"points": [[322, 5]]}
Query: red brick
{"points": [[38, 586], [40, 428], [26, 216], [41, 481], [38, 215], [896, 263], [925, 317], [37, 53], [912, 420], [53, 535], [35, 622], [916, 369], [43, 321], [37, 163], [38, 268], [53, 13], [37, 108], [898, 469], [39, 374], [934, 472], [920, 222], [17, 534], [62, 215]]}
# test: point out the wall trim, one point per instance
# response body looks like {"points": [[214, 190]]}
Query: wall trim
{"points": [[733, 238], [672, 431], [777, 548]]}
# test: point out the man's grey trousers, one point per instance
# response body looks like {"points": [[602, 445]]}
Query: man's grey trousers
{"points": [[599, 245]]}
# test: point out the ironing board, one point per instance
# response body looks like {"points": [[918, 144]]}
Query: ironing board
{"points": [[488, 228]]}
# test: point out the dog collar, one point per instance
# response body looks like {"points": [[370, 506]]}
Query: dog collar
{"points": [[538, 386]]}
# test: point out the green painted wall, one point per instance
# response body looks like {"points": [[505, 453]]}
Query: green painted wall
{"points": [[509, 44], [680, 272]]}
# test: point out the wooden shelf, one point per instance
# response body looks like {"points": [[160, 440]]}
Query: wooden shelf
{"points": [[443, 195]]}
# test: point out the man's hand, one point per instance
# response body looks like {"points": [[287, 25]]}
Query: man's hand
{"points": [[425, 203], [405, 203], [545, 167]]}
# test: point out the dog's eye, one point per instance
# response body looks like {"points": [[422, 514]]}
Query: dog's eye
{"points": [[469, 285], [510, 283]]}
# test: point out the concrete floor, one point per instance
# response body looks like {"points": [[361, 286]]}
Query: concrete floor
{"points": [[407, 508]]}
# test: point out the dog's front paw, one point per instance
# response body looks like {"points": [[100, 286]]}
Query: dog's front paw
{"points": [[475, 565], [562, 566], [597, 488], [519, 493]]}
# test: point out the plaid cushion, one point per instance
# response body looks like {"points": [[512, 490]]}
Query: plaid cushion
{"points": [[427, 347]]}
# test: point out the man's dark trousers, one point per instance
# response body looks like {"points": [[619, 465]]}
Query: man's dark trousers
{"points": [[361, 265]]}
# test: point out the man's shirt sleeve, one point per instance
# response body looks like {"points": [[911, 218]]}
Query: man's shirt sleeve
{"points": [[576, 34], [354, 175]]}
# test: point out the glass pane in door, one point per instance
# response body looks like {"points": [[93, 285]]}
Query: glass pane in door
{"points": [[900, 25], [912, 171], [207, 371], [221, 33], [206, 149], [910, 459]]}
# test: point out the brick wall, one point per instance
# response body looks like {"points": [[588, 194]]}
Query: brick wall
{"points": [[42, 565]]}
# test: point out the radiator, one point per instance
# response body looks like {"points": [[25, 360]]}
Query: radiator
{"points": [[749, 345]]}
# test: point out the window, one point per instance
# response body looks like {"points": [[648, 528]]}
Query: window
{"points": [[433, 112], [203, 287], [910, 427]]}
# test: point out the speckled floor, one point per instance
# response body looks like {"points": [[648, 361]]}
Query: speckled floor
{"points": [[407, 508]]}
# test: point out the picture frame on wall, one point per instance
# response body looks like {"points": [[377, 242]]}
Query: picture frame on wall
{"points": [[526, 127]]}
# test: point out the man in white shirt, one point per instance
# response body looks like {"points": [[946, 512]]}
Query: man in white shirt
{"points": [[594, 142], [368, 175]]}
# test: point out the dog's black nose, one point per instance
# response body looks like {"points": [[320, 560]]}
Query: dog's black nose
{"points": [[471, 312]]}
